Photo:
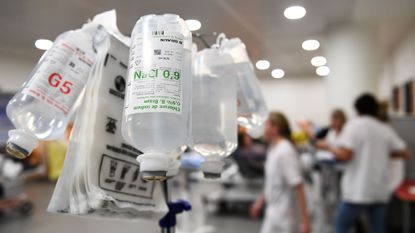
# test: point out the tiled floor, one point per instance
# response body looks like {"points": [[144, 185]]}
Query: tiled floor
{"points": [[43, 222]]}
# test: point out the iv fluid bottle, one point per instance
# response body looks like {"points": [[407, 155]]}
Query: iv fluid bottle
{"points": [[42, 108], [157, 104], [214, 125], [252, 110]]}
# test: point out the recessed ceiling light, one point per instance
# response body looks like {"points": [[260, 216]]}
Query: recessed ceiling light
{"points": [[277, 73], [43, 44], [294, 12], [262, 65], [310, 45], [323, 71], [193, 24], [318, 61]]}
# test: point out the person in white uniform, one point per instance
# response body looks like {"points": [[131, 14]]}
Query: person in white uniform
{"points": [[286, 210], [329, 173], [366, 146], [338, 120]]}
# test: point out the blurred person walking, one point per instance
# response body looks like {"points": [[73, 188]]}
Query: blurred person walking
{"points": [[329, 175], [283, 191], [366, 146]]}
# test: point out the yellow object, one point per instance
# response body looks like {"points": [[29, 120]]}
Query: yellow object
{"points": [[299, 138], [55, 152]]}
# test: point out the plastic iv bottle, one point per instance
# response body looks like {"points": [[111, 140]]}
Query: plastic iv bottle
{"points": [[157, 104], [252, 110], [214, 125], [42, 108]]}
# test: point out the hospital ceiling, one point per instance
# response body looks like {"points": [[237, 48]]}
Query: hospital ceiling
{"points": [[259, 23]]}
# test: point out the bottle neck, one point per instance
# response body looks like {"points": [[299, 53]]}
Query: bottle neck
{"points": [[21, 143]]}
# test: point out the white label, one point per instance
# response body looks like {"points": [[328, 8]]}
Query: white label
{"points": [[61, 76], [155, 78]]}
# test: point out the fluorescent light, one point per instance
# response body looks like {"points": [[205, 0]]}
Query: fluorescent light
{"points": [[310, 45], [318, 61], [193, 24], [294, 12], [262, 65], [322, 71], [43, 44], [277, 73]]}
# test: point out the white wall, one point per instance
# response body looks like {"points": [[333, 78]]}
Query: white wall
{"points": [[399, 66], [298, 98], [352, 56], [14, 70]]}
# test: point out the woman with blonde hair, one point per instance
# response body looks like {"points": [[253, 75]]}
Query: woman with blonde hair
{"points": [[286, 210], [338, 120]]}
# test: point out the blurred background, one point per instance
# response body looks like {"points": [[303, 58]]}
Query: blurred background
{"points": [[306, 68]]}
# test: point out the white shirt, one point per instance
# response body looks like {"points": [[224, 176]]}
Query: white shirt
{"points": [[282, 174], [366, 175], [333, 138]]}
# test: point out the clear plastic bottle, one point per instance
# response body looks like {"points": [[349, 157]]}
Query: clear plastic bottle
{"points": [[157, 104], [42, 108], [252, 110], [214, 125]]}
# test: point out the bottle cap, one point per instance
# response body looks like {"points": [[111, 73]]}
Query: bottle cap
{"points": [[212, 169], [153, 165], [21, 143]]}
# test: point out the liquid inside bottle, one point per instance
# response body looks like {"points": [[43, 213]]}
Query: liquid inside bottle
{"points": [[157, 105], [43, 106], [252, 110], [214, 126]]}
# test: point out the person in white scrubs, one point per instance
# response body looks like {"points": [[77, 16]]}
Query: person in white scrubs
{"points": [[329, 173], [286, 207], [338, 120], [366, 146]]}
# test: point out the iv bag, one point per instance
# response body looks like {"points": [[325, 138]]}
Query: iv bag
{"points": [[252, 110], [157, 104], [214, 126]]}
